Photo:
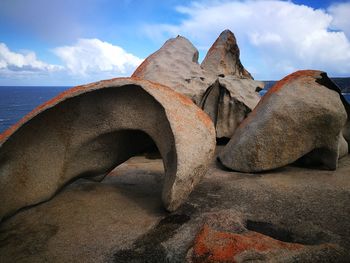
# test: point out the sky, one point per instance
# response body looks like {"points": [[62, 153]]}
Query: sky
{"points": [[67, 43]]}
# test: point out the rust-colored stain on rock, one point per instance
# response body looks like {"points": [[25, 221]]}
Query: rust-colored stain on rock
{"points": [[278, 86], [204, 118], [140, 71], [215, 246], [292, 77]]}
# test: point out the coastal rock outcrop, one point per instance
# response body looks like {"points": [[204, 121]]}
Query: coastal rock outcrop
{"points": [[89, 130], [220, 85], [302, 115]]}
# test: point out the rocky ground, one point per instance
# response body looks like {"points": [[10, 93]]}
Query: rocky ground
{"points": [[291, 214]]}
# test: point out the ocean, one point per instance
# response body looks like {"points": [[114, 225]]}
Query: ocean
{"points": [[17, 101]]}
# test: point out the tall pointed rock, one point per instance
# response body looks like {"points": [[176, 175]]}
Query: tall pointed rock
{"points": [[222, 58], [233, 96]]}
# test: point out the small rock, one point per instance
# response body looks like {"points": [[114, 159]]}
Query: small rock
{"points": [[215, 246]]}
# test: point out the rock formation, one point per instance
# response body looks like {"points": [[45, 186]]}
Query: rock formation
{"points": [[220, 85], [229, 100], [89, 130], [222, 58], [300, 115]]}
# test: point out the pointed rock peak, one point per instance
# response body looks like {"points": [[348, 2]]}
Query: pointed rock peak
{"points": [[175, 50], [223, 57], [181, 48], [183, 44]]}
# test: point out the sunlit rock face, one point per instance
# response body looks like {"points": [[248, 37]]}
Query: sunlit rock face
{"points": [[301, 116], [175, 65], [89, 130]]}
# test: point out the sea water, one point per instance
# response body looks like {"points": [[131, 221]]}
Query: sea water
{"points": [[15, 102]]}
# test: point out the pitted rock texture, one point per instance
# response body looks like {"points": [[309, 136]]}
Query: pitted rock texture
{"points": [[300, 116], [175, 64], [89, 130]]}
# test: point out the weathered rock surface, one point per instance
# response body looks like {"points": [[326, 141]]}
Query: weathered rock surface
{"points": [[234, 94], [346, 128], [89, 130], [228, 101], [301, 116], [220, 85], [175, 65], [223, 59], [121, 219]]}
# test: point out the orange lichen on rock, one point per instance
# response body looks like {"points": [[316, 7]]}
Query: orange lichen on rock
{"points": [[204, 118], [215, 246], [141, 69], [275, 88], [292, 77]]}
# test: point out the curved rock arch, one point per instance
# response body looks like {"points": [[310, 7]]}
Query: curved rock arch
{"points": [[91, 129]]}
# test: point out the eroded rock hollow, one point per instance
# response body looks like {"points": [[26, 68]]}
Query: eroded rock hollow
{"points": [[89, 130]]}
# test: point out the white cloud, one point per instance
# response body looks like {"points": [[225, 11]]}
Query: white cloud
{"points": [[275, 37], [86, 61], [340, 13], [96, 57], [17, 62]]}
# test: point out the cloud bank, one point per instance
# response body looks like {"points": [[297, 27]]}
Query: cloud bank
{"points": [[26, 62], [275, 37], [93, 56], [87, 60], [340, 13]]}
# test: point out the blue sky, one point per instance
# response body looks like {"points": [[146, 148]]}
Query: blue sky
{"points": [[64, 42]]}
